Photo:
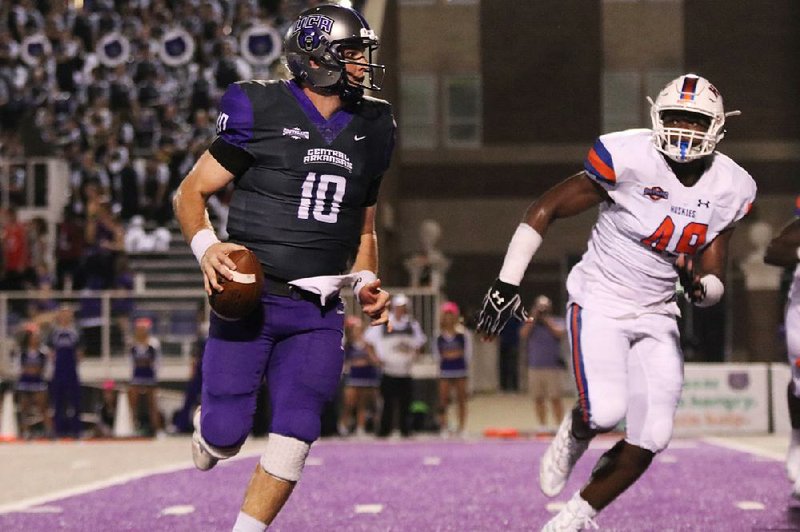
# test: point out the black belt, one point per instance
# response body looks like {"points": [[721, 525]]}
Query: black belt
{"points": [[279, 287]]}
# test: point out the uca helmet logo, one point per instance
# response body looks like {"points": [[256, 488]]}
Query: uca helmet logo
{"points": [[311, 30], [656, 193]]}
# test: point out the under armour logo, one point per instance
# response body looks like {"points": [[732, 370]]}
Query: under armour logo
{"points": [[496, 297], [706, 204]]}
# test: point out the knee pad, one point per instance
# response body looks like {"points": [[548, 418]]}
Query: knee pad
{"points": [[604, 418], [227, 422], [284, 457]]}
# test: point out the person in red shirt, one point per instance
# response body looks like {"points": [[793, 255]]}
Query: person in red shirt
{"points": [[14, 242]]}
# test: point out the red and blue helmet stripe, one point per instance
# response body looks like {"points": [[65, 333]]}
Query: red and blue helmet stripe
{"points": [[599, 164], [797, 206], [689, 88]]}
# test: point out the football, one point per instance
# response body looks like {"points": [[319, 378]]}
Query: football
{"points": [[242, 294]]}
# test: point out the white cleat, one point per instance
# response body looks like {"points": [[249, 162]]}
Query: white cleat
{"points": [[202, 459], [574, 516], [559, 459]]}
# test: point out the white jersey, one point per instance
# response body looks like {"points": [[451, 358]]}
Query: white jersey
{"points": [[628, 269]]}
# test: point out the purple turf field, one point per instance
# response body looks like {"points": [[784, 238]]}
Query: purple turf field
{"points": [[438, 485]]}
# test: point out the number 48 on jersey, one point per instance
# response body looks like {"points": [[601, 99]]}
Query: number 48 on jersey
{"points": [[692, 238]]}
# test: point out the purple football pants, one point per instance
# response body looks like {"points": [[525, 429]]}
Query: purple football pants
{"points": [[296, 345]]}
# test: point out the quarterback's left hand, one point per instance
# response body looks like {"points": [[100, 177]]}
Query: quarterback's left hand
{"points": [[690, 281], [374, 302]]}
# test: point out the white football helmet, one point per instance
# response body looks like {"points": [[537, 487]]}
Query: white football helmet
{"points": [[693, 94]]}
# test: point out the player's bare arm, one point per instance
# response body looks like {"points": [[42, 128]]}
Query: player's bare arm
{"points": [[572, 196], [206, 177], [373, 300], [784, 249]]}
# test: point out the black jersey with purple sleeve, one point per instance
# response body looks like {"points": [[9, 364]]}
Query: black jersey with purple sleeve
{"points": [[299, 202]]}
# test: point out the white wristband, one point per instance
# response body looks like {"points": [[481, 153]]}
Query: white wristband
{"points": [[201, 241], [364, 278], [713, 288], [798, 253], [523, 245]]}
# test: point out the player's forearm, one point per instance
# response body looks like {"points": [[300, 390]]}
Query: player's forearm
{"points": [[190, 209], [367, 255]]}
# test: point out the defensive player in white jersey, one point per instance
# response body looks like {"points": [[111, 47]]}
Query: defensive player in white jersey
{"points": [[784, 250], [667, 202]]}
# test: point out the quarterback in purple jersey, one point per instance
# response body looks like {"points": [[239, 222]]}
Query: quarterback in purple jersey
{"points": [[306, 157]]}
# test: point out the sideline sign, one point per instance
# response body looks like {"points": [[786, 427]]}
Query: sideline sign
{"points": [[723, 399]]}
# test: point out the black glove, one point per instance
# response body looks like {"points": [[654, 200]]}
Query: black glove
{"points": [[693, 289], [500, 304]]}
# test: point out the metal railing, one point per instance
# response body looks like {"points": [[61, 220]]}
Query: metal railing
{"points": [[105, 320]]}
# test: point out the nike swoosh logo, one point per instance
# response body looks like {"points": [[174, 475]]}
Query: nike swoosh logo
{"points": [[357, 138]]}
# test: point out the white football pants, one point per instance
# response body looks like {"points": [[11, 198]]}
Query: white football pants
{"points": [[627, 368]]}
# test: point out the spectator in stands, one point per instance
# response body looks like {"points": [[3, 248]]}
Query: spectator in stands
{"points": [[69, 251], [453, 350], [145, 358], [397, 344], [104, 241], [546, 368], [16, 258], [38, 248], [362, 378], [65, 387], [33, 363]]}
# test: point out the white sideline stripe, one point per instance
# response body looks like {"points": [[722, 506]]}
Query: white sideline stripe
{"points": [[369, 508], [432, 461], [313, 461], [555, 507], [113, 481], [181, 509], [749, 505], [746, 448]]}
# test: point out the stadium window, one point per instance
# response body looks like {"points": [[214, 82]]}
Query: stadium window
{"points": [[621, 101], [463, 121], [418, 108]]}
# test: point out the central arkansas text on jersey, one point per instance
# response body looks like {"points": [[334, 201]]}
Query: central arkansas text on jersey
{"points": [[299, 206]]}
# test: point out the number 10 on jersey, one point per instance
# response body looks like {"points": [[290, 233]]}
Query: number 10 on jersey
{"points": [[318, 200]]}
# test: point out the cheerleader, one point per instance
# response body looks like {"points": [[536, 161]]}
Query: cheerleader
{"points": [[454, 351], [362, 378], [33, 361], [145, 357]]}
